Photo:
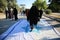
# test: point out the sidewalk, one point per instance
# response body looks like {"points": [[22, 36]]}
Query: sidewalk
{"points": [[20, 31], [54, 20]]}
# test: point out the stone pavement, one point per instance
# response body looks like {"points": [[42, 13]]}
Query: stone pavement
{"points": [[54, 20], [21, 31]]}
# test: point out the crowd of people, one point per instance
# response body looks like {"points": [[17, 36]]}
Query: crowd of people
{"points": [[11, 12], [33, 15]]}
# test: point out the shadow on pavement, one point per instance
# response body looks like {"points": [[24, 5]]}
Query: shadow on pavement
{"points": [[55, 39]]}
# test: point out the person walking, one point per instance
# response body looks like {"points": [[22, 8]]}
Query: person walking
{"points": [[15, 12], [33, 16], [6, 12], [27, 11], [11, 13]]}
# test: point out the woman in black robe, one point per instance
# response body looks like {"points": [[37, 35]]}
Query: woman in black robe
{"points": [[15, 12], [33, 16]]}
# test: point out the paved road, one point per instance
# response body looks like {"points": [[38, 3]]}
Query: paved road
{"points": [[21, 31], [45, 33]]}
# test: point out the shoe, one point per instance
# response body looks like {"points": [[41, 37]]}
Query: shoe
{"points": [[31, 30]]}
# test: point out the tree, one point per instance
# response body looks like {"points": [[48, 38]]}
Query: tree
{"points": [[55, 5], [12, 3], [3, 4], [7, 3], [41, 4]]}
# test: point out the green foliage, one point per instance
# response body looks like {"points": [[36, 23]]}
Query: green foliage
{"points": [[7, 3], [41, 4], [54, 6], [48, 11], [44, 5], [3, 4], [1, 10], [12, 3]]}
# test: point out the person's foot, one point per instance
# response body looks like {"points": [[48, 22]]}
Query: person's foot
{"points": [[31, 27], [31, 30], [16, 19]]}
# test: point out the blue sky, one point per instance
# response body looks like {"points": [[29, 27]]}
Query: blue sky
{"points": [[28, 3]]}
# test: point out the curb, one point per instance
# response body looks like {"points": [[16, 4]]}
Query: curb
{"points": [[58, 33]]}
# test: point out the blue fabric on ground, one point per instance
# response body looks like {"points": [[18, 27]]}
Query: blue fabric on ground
{"points": [[24, 26]]}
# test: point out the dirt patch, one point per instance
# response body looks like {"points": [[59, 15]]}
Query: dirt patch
{"points": [[56, 15], [2, 15]]}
